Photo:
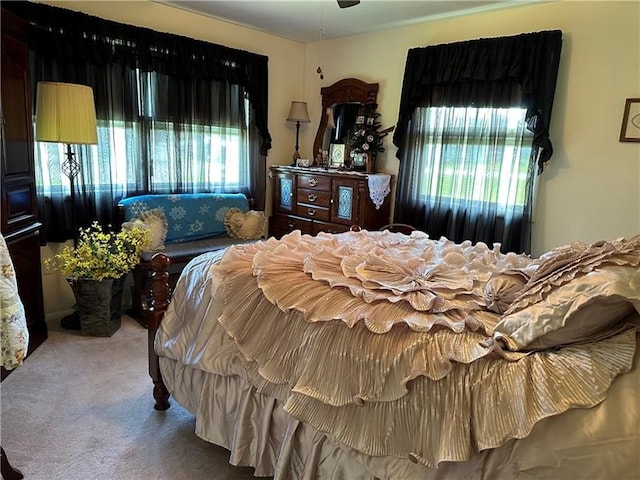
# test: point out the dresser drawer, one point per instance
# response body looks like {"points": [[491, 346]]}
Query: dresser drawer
{"points": [[314, 197], [312, 212], [315, 182], [328, 227], [281, 225]]}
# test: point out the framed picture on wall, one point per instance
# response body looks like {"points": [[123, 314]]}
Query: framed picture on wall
{"points": [[630, 131], [336, 155]]}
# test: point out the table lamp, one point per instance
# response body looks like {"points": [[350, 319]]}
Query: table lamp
{"points": [[298, 113]]}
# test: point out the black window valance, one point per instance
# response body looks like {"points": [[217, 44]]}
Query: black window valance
{"points": [[60, 33], [530, 60]]}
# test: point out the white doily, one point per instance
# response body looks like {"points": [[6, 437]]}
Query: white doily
{"points": [[379, 188]]}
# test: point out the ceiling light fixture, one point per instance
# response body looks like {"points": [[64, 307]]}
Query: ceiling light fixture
{"points": [[348, 3]]}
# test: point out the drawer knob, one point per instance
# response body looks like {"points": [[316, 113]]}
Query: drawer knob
{"points": [[311, 212], [291, 224], [312, 197], [313, 182]]}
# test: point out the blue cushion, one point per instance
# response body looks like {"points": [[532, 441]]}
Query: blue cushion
{"points": [[190, 216]]}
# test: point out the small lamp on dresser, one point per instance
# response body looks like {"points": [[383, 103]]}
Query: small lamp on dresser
{"points": [[298, 113]]}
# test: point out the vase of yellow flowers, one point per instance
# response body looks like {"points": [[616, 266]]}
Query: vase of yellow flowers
{"points": [[96, 268]]}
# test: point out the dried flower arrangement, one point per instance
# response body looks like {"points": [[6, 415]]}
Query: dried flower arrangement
{"points": [[100, 254]]}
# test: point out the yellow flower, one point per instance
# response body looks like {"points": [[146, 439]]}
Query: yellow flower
{"points": [[99, 254]]}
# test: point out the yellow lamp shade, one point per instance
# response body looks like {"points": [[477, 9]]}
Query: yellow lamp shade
{"points": [[65, 113]]}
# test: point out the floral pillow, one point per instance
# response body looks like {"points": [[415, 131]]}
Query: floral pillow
{"points": [[245, 225], [156, 221]]}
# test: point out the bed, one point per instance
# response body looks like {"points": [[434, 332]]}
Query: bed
{"points": [[381, 355]]}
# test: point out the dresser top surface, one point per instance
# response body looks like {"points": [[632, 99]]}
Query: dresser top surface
{"points": [[325, 171]]}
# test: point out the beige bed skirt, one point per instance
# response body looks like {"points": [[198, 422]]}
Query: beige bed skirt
{"points": [[595, 443]]}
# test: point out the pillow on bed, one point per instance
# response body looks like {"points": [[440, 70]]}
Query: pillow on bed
{"points": [[156, 221], [245, 225], [502, 289], [575, 311]]}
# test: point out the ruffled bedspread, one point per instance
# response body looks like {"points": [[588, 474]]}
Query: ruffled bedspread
{"points": [[14, 336], [400, 345]]}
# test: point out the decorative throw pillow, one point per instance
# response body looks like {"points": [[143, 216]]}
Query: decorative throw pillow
{"points": [[502, 289], [578, 310], [156, 221], [245, 225]]}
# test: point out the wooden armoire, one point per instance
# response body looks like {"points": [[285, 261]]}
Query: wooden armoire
{"points": [[19, 220]]}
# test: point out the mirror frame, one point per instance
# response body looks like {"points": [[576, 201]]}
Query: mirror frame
{"points": [[347, 90]]}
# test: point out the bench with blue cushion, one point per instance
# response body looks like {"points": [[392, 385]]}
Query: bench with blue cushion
{"points": [[195, 225]]}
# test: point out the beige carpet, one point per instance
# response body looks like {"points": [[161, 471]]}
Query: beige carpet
{"points": [[82, 408]]}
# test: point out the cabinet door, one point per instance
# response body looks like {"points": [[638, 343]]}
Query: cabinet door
{"points": [[284, 198], [18, 186], [345, 202], [19, 216]]}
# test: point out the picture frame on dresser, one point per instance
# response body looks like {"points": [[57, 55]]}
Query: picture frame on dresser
{"points": [[630, 129], [359, 161], [336, 155]]}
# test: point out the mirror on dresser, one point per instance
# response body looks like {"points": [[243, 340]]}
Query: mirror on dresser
{"points": [[344, 98]]}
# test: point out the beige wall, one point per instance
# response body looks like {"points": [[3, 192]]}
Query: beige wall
{"points": [[591, 188]]}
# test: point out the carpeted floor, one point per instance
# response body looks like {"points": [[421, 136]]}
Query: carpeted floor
{"points": [[81, 408]]}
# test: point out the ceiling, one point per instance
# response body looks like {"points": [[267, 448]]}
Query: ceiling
{"points": [[304, 20]]}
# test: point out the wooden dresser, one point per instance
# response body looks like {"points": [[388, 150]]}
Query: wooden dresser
{"points": [[315, 200], [19, 221]]}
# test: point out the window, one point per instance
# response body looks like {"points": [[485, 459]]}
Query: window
{"points": [[174, 114], [215, 163], [473, 133], [198, 156], [201, 141], [467, 173], [474, 155]]}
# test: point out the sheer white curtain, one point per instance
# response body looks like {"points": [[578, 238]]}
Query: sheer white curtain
{"points": [[469, 170], [155, 134], [466, 171], [174, 114]]}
